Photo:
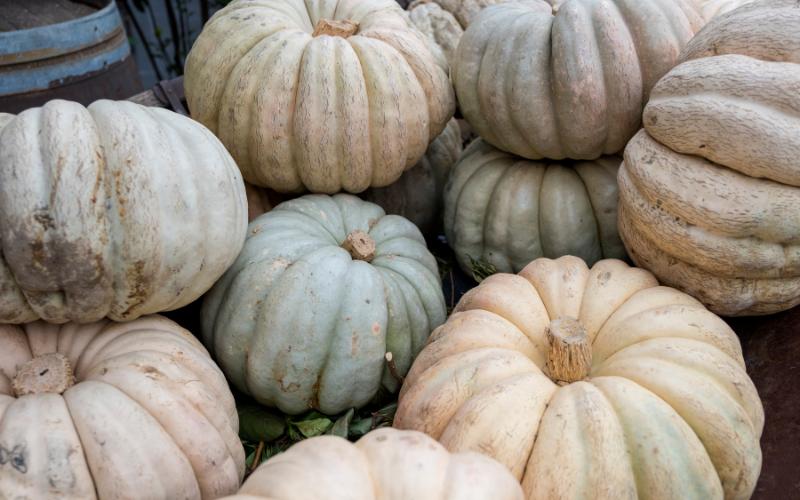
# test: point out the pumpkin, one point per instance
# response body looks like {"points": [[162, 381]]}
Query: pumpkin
{"points": [[710, 190], [418, 194], [715, 8], [437, 24], [319, 95], [114, 410], [584, 76], [323, 289], [112, 210], [464, 11], [510, 210], [385, 463], [591, 383], [260, 200]]}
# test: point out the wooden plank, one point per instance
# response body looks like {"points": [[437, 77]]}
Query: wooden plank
{"points": [[26, 14]]}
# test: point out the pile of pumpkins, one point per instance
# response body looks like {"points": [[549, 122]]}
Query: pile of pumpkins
{"points": [[579, 376]]}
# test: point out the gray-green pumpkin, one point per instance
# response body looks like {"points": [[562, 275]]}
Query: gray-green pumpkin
{"points": [[298, 322], [511, 211]]}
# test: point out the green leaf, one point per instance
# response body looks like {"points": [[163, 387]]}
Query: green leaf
{"points": [[481, 268], [315, 427], [388, 411], [259, 423], [342, 425], [249, 460], [360, 428], [313, 415]]}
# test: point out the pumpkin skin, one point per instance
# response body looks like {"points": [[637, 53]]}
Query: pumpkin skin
{"points": [[386, 463], [715, 8], [418, 194], [512, 210], [258, 79], [298, 324], [149, 417], [113, 210], [709, 192], [667, 410], [578, 96], [437, 24], [464, 11]]}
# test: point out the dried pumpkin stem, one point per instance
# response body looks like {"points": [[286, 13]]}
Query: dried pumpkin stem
{"points": [[342, 28], [257, 456], [49, 372], [569, 352], [360, 245], [393, 368]]}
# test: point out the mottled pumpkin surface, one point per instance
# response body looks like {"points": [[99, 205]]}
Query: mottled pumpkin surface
{"points": [[666, 411], [298, 323], [150, 415], [113, 210], [320, 112]]}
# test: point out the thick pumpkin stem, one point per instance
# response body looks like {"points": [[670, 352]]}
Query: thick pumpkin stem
{"points": [[343, 28], [360, 245], [49, 372], [569, 352]]}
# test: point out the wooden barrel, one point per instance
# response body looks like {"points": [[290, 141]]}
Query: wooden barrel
{"points": [[63, 49]]}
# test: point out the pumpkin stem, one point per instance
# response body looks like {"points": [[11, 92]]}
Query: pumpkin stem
{"points": [[343, 28], [49, 372], [393, 368], [360, 245], [569, 351]]}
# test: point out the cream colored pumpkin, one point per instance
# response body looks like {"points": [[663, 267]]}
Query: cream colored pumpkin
{"points": [[300, 108], [464, 11], [512, 210], [724, 230], [419, 193], [437, 24], [385, 464], [662, 406], [715, 8], [571, 85], [149, 416], [113, 210]]}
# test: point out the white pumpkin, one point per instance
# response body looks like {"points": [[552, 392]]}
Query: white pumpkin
{"points": [[715, 8], [114, 410], [112, 210], [438, 25], [385, 464]]}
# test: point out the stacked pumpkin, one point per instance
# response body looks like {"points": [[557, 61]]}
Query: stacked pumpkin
{"points": [[710, 188], [554, 97]]}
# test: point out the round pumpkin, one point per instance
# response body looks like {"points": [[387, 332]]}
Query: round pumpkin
{"points": [[418, 194], [591, 383], [715, 8], [464, 11], [323, 289], [710, 190], [319, 95], [385, 463], [112, 210], [569, 85], [114, 410], [437, 24], [509, 210]]}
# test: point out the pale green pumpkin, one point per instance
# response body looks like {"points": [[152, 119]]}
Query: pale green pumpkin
{"points": [[511, 210], [298, 323]]}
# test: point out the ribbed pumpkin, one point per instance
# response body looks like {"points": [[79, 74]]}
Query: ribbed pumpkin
{"points": [[438, 25], [114, 410], [711, 190], [571, 85], [418, 194], [260, 200], [464, 11], [324, 95], [323, 289], [384, 464], [591, 384], [112, 210], [715, 8], [511, 210]]}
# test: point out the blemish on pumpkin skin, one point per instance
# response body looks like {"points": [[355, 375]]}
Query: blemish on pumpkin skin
{"points": [[354, 343], [376, 328]]}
